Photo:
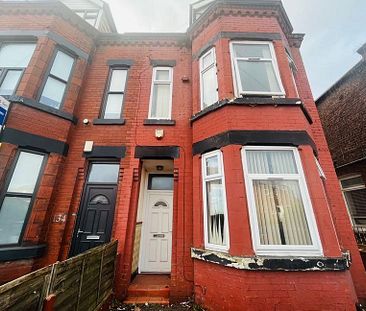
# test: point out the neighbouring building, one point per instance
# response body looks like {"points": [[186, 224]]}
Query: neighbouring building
{"points": [[201, 152], [342, 111]]}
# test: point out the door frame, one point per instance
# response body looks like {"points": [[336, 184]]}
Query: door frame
{"points": [[83, 198], [145, 191]]}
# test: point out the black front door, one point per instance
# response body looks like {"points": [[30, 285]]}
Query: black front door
{"points": [[96, 213]]}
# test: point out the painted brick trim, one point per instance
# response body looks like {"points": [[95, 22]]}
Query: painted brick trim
{"points": [[280, 138], [109, 121], [254, 101], [40, 143], [116, 152], [157, 152], [163, 63], [120, 62], [158, 122], [272, 263]]}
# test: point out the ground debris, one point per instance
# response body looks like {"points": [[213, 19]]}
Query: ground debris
{"points": [[183, 306]]}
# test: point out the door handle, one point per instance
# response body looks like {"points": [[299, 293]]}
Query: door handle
{"points": [[159, 235], [79, 231]]}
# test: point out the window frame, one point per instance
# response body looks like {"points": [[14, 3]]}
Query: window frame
{"points": [[33, 196], [4, 70], [281, 250], [107, 91], [48, 74], [349, 189], [205, 179], [238, 88], [203, 71], [85, 12], [161, 82]]}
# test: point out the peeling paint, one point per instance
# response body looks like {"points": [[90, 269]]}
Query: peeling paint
{"points": [[272, 263]]}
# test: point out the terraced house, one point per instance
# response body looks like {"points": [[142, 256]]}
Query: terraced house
{"points": [[201, 152]]}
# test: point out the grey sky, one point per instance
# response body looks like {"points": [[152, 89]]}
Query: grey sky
{"points": [[334, 30]]}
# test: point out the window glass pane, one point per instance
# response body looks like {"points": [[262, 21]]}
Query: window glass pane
{"points": [[12, 215], [113, 106], [26, 173], [104, 173], [212, 166], [162, 75], [215, 212], [10, 82], [352, 182], [207, 60], [280, 213], [16, 55], [118, 81], [252, 50], [258, 76], [53, 93], [91, 21], [160, 182], [271, 162], [62, 66], [356, 202], [161, 101], [209, 88]]}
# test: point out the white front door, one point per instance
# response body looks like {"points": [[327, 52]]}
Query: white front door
{"points": [[156, 246]]}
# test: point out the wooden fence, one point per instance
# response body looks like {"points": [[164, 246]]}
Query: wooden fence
{"points": [[80, 283]]}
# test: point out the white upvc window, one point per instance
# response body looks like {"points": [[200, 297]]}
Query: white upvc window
{"points": [[216, 230], [281, 214], [354, 192], [255, 69], [208, 79], [161, 93], [293, 69]]}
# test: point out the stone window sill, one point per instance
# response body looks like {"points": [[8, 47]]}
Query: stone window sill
{"points": [[21, 252]]}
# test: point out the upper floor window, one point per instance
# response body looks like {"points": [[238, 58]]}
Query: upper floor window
{"points": [[14, 58], [214, 202], [113, 100], [354, 191], [16, 201], [293, 69], [161, 93], [54, 89], [255, 68], [90, 16], [208, 78], [281, 215]]}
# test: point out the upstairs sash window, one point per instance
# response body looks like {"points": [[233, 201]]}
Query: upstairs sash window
{"points": [[255, 68], [282, 218], [14, 58], [214, 197], [115, 94], [161, 93], [57, 80], [16, 201], [208, 78]]}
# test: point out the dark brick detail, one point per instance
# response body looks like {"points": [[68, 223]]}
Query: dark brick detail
{"points": [[21, 252], [116, 152], [158, 122], [160, 152]]}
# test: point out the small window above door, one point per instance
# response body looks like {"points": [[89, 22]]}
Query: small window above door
{"points": [[103, 173], [160, 182]]}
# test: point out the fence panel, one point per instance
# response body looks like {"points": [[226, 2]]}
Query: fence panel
{"points": [[81, 283]]}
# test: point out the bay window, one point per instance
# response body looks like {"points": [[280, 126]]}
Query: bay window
{"points": [[208, 79], [14, 58], [214, 201], [161, 93], [113, 101], [281, 215], [255, 68], [17, 199], [54, 89]]}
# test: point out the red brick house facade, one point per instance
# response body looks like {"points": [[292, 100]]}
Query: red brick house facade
{"points": [[199, 152], [342, 113]]}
